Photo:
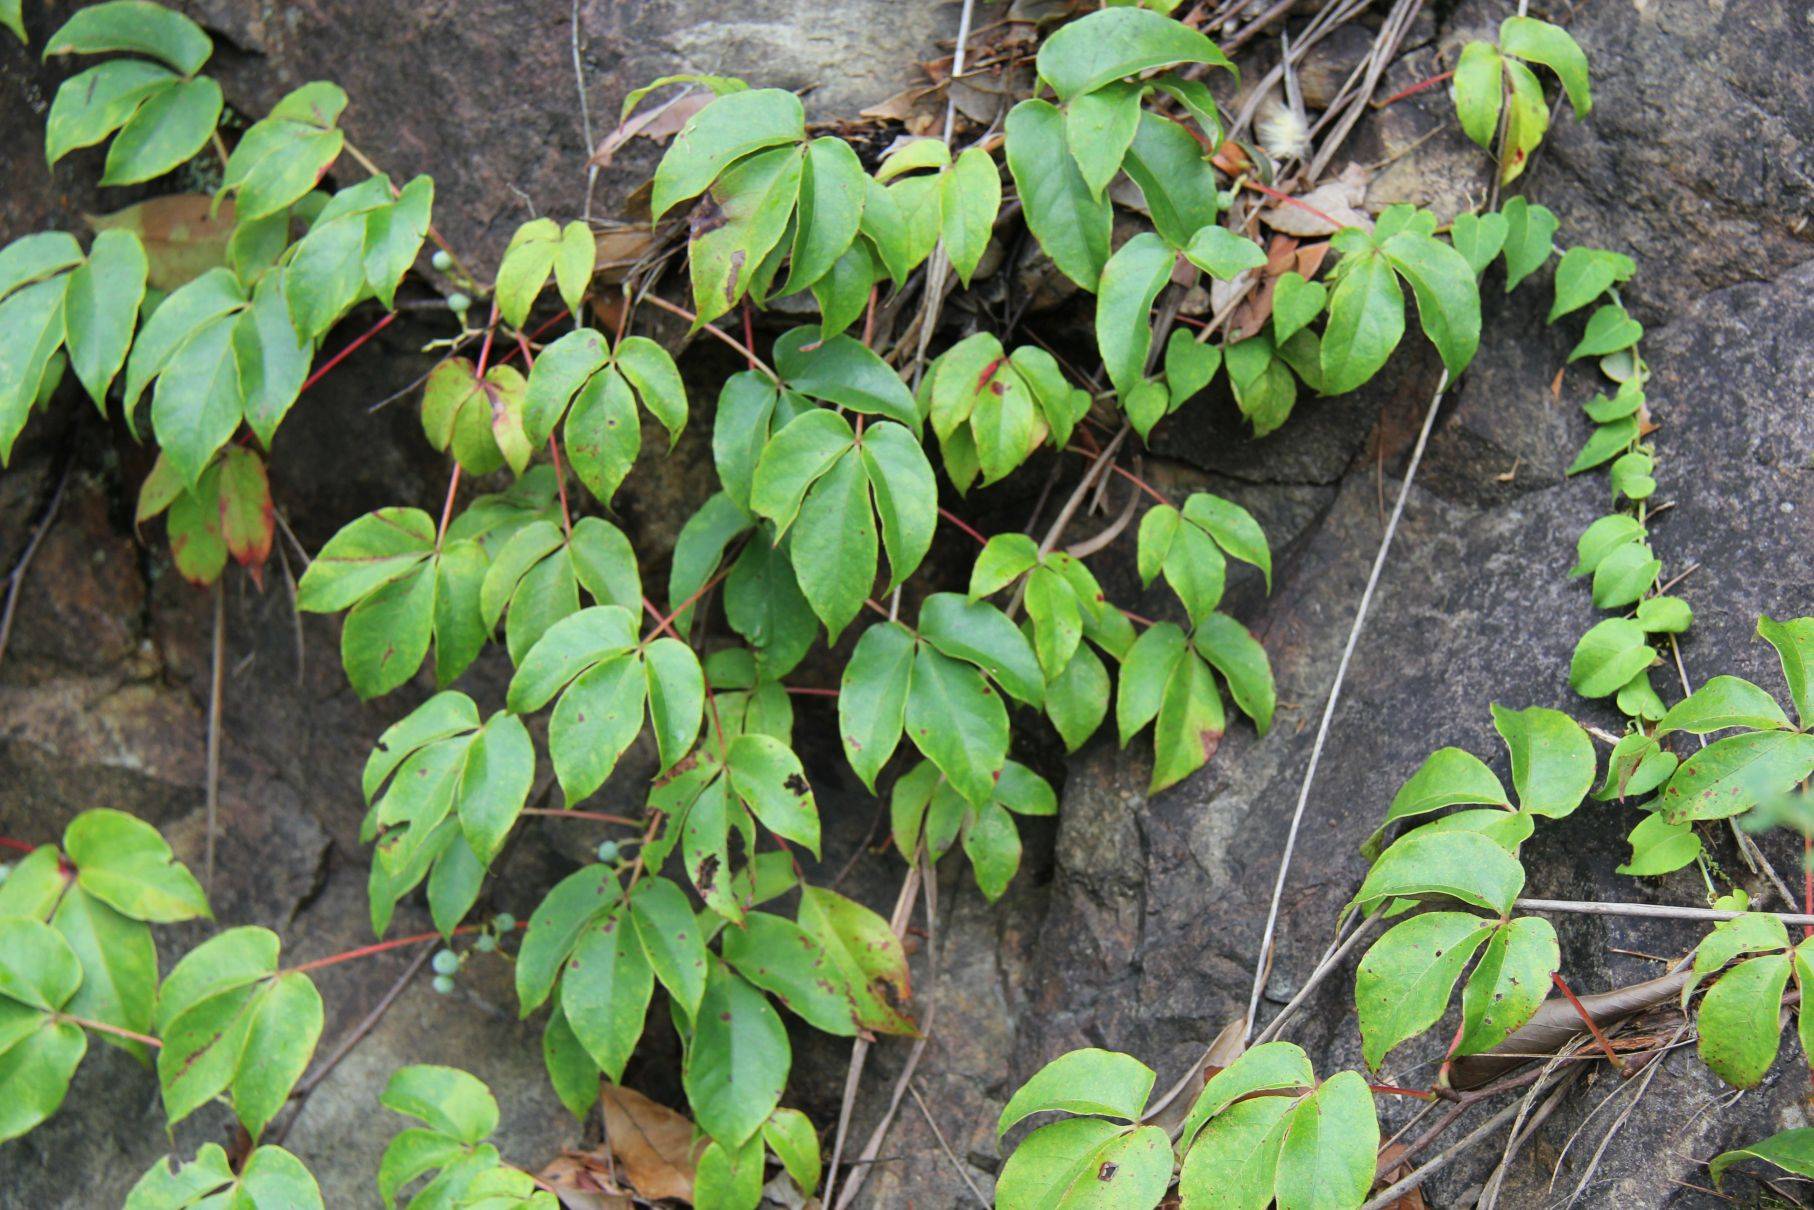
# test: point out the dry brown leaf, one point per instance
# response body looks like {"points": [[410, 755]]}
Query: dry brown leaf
{"points": [[1392, 1170], [182, 240], [900, 107], [1339, 199], [654, 1145], [1283, 255], [657, 125], [620, 248], [582, 1181]]}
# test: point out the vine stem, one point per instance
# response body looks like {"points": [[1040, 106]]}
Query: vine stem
{"points": [[962, 525], [1653, 911], [755, 362], [383, 947], [667, 623], [571, 813], [15, 579], [1587, 1018], [1263, 962], [352, 346], [115, 1030], [453, 490], [560, 481], [216, 672]]}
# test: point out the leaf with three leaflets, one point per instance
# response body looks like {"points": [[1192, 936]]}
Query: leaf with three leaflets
{"points": [[1071, 224]]}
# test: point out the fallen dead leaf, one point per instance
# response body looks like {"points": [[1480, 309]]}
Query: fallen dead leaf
{"points": [[657, 125], [1393, 1170], [1284, 255], [1339, 199], [620, 248], [582, 1181], [653, 1144], [182, 240]]}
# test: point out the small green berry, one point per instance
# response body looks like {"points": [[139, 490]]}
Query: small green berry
{"points": [[503, 922], [441, 261], [458, 303], [607, 851], [486, 943], [443, 984], [446, 962]]}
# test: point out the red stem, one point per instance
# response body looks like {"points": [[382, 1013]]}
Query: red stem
{"points": [[341, 356], [1414, 89], [1593, 1027], [962, 525], [1393, 1090], [21, 846], [560, 481], [749, 332], [807, 691], [570, 813], [380, 947], [667, 623], [661, 623], [453, 489]]}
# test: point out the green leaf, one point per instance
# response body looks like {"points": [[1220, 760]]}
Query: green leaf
{"points": [[832, 191], [1724, 701], [969, 200], [1071, 224], [164, 1187], [560, 371], [281, 156], [1088, 1081], [273, 358], [1448, 297], [843, 293], [1552, 759], [1268, 1067], [1607, 656], [1526, 120], [499, 772], [1530, 235], [101, 309], [126, 864], [35, 1073], [444, 1099], [1295, 302], [1077, 699], [754, 199], [737, 1065], [672, 940], [605, 991], [834, 544], [1131, 281], [33, 319], [1551, 45], [1448, 777], [781, 958], [1176, 181], [1460, 865], [790, 1135], [119, 966], [676, 691], [595, 720], [1403, 985], [1189, 366], [980, 633], [651, 370], [1233, 528], [1146, 670], [575, 258], [441, 716], [93, 104], [1063, 1165], [1366, 321], [1190, 723], [137, 26], [843, 371], [1222, 254], [794, 459], [284, 1023], [568, 648], [1600, 539], [172, 126], [1098, 129], [766, 776], [957, 721], [225, 962], [1235, 1162], [1794, 643], [906, 495], [1478, 90], [730, 127], [1112, 43], [1238, 656], [1730, 776], [570, 1068], [1790, 1150], [1478, 237], [177, 318], [992, 842], [867, 953], [1609, 329], [729, 1178], [199, 400], [555, 928], [872, 697], [1583, 274], [37, 966], [1738, 1020], [1004, 559], [386, 636], [1661, 847], [1331, 1141], [1664, 615], [1510, 982]]}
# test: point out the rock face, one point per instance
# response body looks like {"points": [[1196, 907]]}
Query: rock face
{"points": [[1136, 919]]}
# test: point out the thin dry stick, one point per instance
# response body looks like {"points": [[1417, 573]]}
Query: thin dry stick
{"points": [[1618, 1124], [1391, 1193], [16, 578], [585, 115], [934, 298], [214, 694], [1653, 911], [938, 1134], [1335, 694], [874, 1146]]}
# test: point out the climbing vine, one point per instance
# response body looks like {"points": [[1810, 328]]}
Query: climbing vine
{"points": [[828, 454]]}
